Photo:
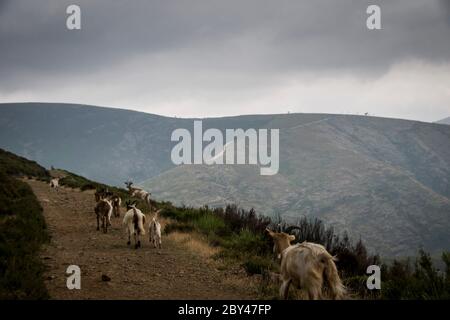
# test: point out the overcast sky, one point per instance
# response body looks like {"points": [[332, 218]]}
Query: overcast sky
{"points": [[213, 58]]}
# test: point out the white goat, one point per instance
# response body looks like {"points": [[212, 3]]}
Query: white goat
{"points": [[54, 183], [306, 265], [154, 229], [134, 220]]}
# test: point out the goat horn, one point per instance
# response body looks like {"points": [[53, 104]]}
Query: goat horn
{"points": [[290, 228]]}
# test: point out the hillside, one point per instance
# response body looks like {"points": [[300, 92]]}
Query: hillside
{"points": [[444, 121], [107, 145], [386, 180], [22, 230]]}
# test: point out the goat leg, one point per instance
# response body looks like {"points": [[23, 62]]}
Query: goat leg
{"points": [[284, 289]]}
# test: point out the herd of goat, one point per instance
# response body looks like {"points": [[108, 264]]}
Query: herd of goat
{"points": [[108, 204], [308, 266]]}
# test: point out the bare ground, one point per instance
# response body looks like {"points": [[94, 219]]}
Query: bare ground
{"points": [[172, 272]]}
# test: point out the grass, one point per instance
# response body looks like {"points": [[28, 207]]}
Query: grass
{"points": [[14, 165], [240, 239], [74, 181], [194, 242], [22, 232], [237, 244]]}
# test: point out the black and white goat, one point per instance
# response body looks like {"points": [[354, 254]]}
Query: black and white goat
{"points": [[113, 198], [139, 193], [116, 202]]}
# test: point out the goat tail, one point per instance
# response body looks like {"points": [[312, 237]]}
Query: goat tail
{"points": [[141, 224], [148, 200], [138, 223], [110, 211], [334, 282]]}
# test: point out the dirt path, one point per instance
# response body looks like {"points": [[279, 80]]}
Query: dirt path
{"points": [[170, 273]]}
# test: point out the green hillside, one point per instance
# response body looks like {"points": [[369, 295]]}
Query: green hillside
{"points": [[22, 230]]}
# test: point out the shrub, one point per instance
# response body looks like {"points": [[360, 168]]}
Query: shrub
{"points": [[248, 242], [238, 219], [22, 231], [256, 265], [178, 226], [402, 280], [210, 224], [14, 165]]}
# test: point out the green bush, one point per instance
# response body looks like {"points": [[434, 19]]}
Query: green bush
{"points": [[178, 226], [248, 242], [209, 224], [14, 165], [402, 280], [22, 231], [257, 265]]}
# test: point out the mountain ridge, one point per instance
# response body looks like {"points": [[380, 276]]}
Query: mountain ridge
{"points": [[444, 121]]}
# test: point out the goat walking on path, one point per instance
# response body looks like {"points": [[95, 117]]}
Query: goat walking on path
{"points": [[308, 266], [154, 230], [113, 198], [54, 183], [134, 220], [103, 210], [116, 202]]}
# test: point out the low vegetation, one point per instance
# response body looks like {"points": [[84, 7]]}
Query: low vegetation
{"points": [[22, 230], [241, 238], [74, 181], [13, 165], [417, 279]]}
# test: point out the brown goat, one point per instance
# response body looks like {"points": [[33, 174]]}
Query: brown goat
{"points": [[308, 266], [103, 210]]}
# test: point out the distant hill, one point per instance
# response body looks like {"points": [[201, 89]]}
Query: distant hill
{"points": [[104, 144], [385, 180], [444, 121]]}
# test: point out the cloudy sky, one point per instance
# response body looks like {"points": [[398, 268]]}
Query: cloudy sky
{"points": [[213, 58]]}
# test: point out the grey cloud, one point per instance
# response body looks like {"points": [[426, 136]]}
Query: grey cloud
{"points": [[254, 41], [281, 35]]}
